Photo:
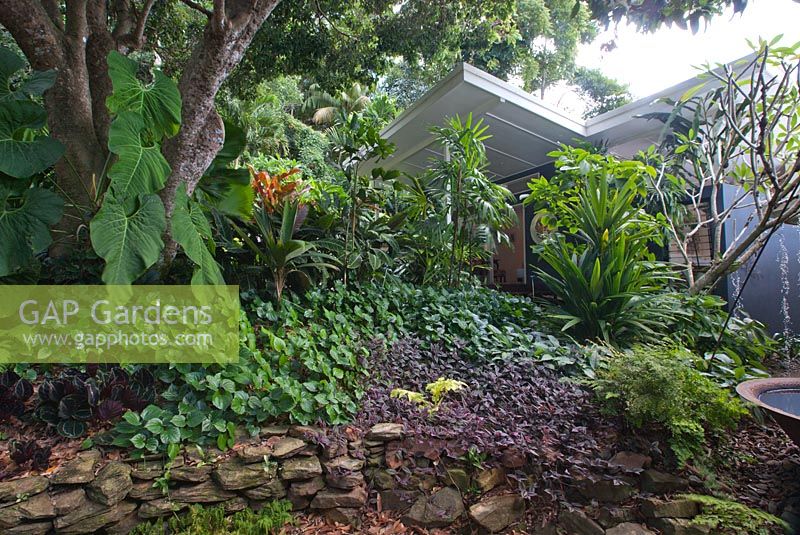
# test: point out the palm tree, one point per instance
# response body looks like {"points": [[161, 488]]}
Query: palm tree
{"points": [[328, 108]]}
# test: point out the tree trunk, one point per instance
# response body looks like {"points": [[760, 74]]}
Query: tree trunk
{"points": [[226, 37], [50, 43], [71, 120]]}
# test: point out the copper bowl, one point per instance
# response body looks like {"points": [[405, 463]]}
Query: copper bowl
{"points": [[780, 397]]}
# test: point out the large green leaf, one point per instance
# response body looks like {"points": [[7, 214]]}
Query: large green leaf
{"points": [[127, 235], [159, 102], [23, 153], [10, 64], [34, 85], [24, 225], [229, 189], [233, 146], [191, 230], [141, 168], [236, 201]]}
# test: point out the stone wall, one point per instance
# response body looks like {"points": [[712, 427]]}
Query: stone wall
{"points": [[336, 474]]}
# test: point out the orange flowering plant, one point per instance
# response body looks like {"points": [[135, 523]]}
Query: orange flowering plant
{"points": [[273, 190], [280, 212]]}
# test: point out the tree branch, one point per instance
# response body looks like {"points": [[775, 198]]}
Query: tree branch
{"points": [[324, 16], [197, 7], [76, 25], [122, 11], [53, 9], [219, 17], [98, 46], [34, 31], [138, 35], [201, 135]]}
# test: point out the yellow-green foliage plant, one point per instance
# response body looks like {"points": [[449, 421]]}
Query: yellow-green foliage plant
{"points": [[728, 517], [201, 520], [437, 389], [441, 387]]}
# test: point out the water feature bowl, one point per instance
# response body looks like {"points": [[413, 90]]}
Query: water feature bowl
{"points": [[780, 397]]}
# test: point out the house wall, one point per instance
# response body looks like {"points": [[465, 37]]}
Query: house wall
{"points": [[772, 295], [510, 265], [531, 285]]}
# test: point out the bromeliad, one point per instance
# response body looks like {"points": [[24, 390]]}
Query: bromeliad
{"points": [[273, 190]]}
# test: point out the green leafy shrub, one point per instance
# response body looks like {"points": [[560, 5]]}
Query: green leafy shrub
{"points": [[659, 386], [153, 430], [727, 517], [201, 520], [697, 324], [303, 359], [602, 271]]}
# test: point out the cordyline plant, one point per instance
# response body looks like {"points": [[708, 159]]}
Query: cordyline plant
{"points": [[739, 141]]}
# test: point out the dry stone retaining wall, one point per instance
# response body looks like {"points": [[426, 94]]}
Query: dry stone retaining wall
{"points": [[338, 477]]}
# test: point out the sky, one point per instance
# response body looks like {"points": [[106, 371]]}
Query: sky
{"points": [[649, 63]]}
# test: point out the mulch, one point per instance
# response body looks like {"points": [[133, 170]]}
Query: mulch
{"points": [[759, 465]]}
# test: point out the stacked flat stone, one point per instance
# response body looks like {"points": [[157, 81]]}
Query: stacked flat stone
{"points": [[334, 474]]}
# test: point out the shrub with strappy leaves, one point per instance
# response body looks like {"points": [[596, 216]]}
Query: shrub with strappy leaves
{"points": [[602, 272]]}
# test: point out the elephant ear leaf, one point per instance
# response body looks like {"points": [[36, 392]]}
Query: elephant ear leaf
{"points": [[33, 86], [159, 101], [232, 147], [24, 153], [10, 64], [140, 168], [191, 230], [38, 83], [24, 225], [126, 233], [237, 201]]}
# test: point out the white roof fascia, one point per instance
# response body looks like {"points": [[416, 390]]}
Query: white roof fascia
{"points": [[596, 125], [620, 123], [514, 95], [444, 86]]}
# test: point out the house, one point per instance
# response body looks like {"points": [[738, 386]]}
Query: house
{"points": [[524, 130]]}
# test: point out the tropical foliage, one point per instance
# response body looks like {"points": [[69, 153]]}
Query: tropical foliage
{"points": [[474, 211], [365, 291], [656, 385], [604, 275], [279, 212], [27, 152]]}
